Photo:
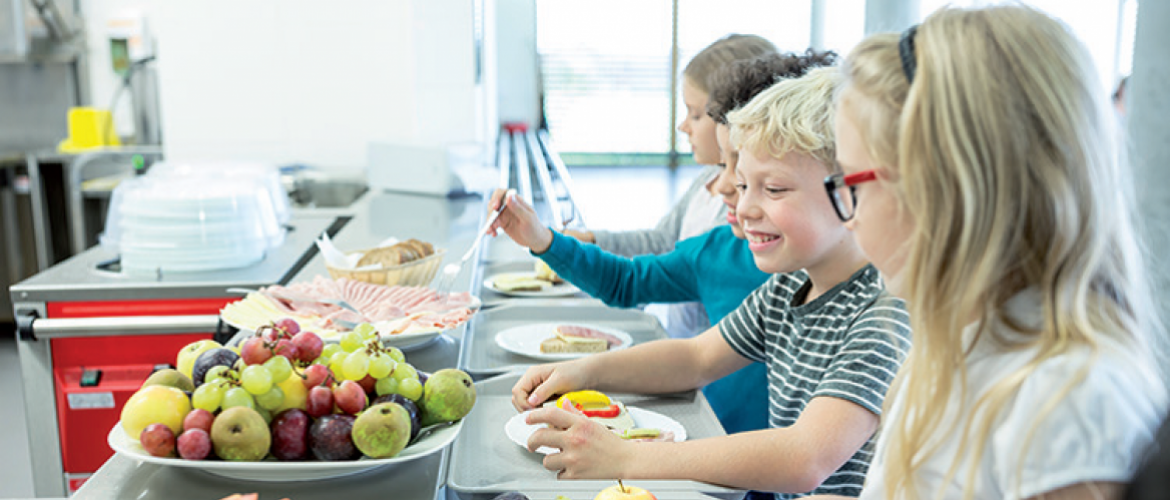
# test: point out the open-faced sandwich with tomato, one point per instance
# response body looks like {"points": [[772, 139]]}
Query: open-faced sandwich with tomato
{"points": [[612, 414]]}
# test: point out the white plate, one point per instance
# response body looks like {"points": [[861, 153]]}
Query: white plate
{"points": [[525, 340], [562, 289], [519, 431], [274, 470]]}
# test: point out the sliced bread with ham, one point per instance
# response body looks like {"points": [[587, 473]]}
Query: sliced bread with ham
{"points": [[578, 339]]}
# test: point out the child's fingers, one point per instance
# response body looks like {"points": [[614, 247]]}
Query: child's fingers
{"points": [[567, 405], [550, 437], [540, 394], [553, 417], [496, 198]]}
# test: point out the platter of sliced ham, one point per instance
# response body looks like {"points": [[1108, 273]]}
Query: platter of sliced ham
{"points": [[405, 316]]}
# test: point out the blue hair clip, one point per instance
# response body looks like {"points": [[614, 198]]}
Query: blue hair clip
{"points": [[906, 50]]}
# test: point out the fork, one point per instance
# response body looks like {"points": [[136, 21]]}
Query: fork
{"points": [[426, 431], [451, 270]]}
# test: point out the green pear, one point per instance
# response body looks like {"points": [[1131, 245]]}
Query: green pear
{"points": [[170, 377], [239, 433], [382, 431], [448, 395]]}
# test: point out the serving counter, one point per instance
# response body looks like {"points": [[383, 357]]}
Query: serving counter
{"points": [[448, 223]]}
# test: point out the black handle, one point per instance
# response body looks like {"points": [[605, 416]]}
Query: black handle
{"points": [[24, 323]]}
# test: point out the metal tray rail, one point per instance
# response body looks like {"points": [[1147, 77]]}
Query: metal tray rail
{"points": [[484, 462], [481, 356]]}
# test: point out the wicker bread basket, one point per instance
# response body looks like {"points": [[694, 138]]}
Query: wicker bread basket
{"points": [[417, 272]]}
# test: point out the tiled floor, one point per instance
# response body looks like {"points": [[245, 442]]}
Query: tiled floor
{"points": [[610, 198]]}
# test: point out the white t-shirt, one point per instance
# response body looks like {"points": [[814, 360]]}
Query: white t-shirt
{"points": [[1098, 432], [703, 212], [687, 319]]}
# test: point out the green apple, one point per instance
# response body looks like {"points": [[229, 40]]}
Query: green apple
{"points": [[189, 353]]}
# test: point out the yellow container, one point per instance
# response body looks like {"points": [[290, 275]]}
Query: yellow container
{"points": [[89, 128]]}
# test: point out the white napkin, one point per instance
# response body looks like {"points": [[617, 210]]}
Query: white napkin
{"points": [[340, 260]]}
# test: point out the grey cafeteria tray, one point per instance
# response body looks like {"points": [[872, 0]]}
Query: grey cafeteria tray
{"points": [[481, 356], [483, 460], [578, 493]]}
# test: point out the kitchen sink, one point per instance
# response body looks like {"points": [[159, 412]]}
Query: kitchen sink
{"points": [[315, 187], [326, 193]]}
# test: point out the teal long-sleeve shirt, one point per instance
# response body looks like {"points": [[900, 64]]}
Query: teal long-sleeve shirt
{"points": [[714, 268]]}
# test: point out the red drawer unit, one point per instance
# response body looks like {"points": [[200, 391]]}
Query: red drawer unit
{"points": [[86, 414], [87, 313]]}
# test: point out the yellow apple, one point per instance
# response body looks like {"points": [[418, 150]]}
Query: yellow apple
{"points": [[185, 363], [155, 404], [622, 492]]}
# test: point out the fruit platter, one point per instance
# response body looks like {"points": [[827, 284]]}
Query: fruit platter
{"points": [[404, 316], [287, 406]]}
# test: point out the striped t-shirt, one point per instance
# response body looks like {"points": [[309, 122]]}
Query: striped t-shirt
{"points": [[846, 344]]}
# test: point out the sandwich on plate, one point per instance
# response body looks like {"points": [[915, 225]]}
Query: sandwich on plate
{"points": [[612, 414], [545, 273], [519, 283], [578, 339]]}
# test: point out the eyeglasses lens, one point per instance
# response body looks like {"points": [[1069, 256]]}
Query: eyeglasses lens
{"points": [[844, 202]]}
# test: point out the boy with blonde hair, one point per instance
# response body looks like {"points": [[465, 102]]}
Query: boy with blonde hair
{"points": [[831, 337]]}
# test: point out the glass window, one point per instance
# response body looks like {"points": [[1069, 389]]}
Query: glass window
{"points": [[1095, 23], [786, 24], [844, 24], [605, 66]]}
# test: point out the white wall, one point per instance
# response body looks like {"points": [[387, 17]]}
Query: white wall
{"points": [[302, 80]]}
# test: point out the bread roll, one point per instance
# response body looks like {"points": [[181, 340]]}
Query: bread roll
{"points": [[397, 254], [386, 256]]}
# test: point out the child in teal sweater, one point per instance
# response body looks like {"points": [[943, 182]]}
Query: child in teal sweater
{"points": [[715, 268]]}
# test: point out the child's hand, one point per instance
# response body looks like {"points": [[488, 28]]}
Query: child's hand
{"points": [[588, 449], [543, 381], [519, 220]]}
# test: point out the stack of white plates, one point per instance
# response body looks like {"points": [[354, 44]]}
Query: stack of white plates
{"points": [[182, 220]]}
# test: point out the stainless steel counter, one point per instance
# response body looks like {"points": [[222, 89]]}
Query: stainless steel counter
{"points": [[449, 223], [83, 277], [121, 477]]}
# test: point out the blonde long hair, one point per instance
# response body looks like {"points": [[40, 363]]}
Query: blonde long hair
{"points": [[1005, 151]]}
